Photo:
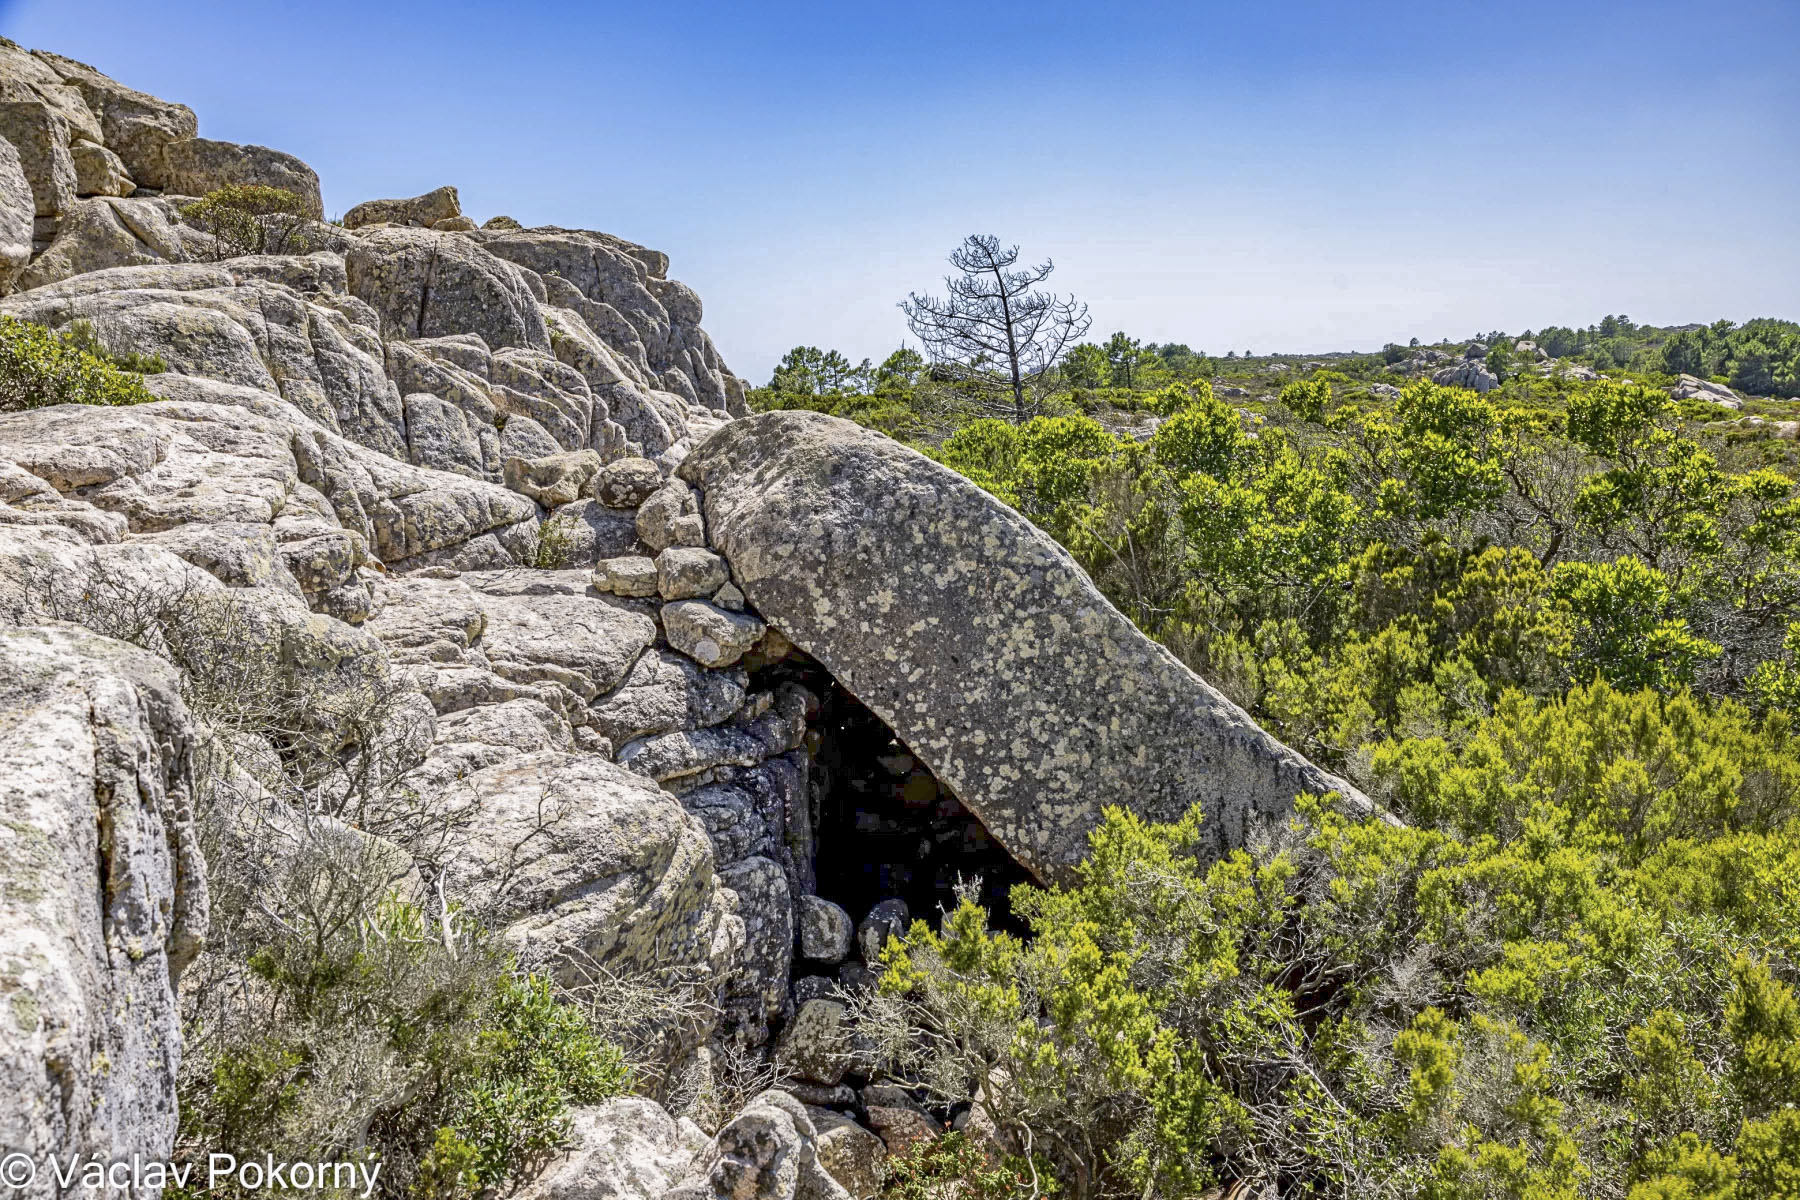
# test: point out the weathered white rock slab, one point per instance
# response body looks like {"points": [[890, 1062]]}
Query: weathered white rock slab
{"points": [[104, 896], [576, 858]]}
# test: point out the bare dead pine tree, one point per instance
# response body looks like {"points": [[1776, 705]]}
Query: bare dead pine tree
{"points": [[995, 332]]}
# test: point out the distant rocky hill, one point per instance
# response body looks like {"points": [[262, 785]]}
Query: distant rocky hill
{"points": [[478, 511]]}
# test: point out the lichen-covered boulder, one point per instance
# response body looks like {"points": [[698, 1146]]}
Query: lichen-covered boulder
{"points": [[432, 207], [134, 125], [627, 483], [16, 220], [887, 920], [104, 896], [769, 1151], [440, 435], [757, 992], [816, 1045], [825, 930], [32, 77], [851, 1154], [554, 480], [665, 692], [196, 166], [626, 575], [683, 754], [671, 517], [713, 637], [106, 231], [683, 572], [586, 643], [99, 172], [979, 641], [41, 137], [902, 1128]]}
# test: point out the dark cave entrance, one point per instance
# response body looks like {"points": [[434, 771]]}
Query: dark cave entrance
{"points": [[884, 826]]}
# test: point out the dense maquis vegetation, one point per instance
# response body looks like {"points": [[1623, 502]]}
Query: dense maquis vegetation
{"points": [[1760, 356], [1553, 628]]}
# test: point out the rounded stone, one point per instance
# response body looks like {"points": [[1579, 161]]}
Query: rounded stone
{"points": [[826, 930], [627, 483]]}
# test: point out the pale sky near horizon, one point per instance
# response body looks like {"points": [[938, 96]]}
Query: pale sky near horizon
{"points": [[1304, 176]]}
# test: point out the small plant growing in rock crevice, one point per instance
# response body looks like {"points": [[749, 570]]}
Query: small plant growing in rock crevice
{"points": [[554, 545]]}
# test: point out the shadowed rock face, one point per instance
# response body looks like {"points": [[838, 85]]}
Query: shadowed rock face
{"points": [[979, 641]]}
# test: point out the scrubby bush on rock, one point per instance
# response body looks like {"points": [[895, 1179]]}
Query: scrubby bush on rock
{"points": [[955, 1167], [250, 218], [39, 368]]}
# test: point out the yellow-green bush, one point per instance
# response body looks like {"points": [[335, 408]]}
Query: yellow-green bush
{"points": [[39, 368], [250, 218], [1504, 1014]]}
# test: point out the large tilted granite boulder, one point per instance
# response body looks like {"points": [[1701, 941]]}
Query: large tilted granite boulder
{"points": [[979, 641], [102, 899]]}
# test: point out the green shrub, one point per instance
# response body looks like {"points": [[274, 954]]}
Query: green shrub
{"points": [[83, 336], [555, 541], [331, 1015], [383, 1035], [1537, 1003], [250, 218], [534, 1056], [1308, 398], [1556, 628], [39, 368], [953, 1167]]}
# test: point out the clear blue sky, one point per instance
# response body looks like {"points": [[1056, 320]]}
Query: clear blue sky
{"points": [[1300, 175]]}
